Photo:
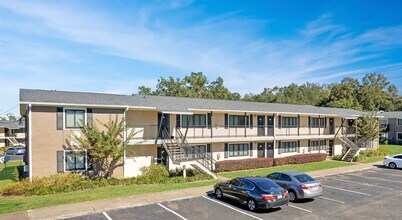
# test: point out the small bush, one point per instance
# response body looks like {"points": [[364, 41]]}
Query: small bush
{"points": [[337, 157], [252, 163], [179, 172]]}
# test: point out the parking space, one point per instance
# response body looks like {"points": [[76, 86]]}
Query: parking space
{"points": [[346, 196]]}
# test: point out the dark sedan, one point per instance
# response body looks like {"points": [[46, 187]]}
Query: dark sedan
{"points": [[256, 192], [299, 185]]}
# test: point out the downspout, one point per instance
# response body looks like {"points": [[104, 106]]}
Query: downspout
{"points": [[211, 128], [30, 140], [245, 124]]}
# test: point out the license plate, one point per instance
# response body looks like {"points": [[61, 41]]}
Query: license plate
{"points": [[279, 197]]}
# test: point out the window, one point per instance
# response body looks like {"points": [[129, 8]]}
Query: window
{"points": [[284, 177], [398, 156], [236, 182], [17, 131], [236, 150], [274, 176], [400, 121], [248, 185], [399, 136], [238, 120], [197, 120], [317, 145], [193, 152], [317, 122], [289, 122], [75, 160], [289, 147], [74, 118], [304, 178]]}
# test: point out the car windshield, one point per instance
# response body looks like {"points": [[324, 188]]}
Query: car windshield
{"points": [[267, 185], [304, 178]]}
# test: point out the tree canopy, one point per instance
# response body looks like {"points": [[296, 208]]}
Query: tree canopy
{"points": [[372, 93]]}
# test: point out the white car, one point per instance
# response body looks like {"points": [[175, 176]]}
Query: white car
{"points": [[393, 161]]}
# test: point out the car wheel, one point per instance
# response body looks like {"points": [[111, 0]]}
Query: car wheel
{"points": [[392, 165], [251, 204], [218, 193], [292, 196]]}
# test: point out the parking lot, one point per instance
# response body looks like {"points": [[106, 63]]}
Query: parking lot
{"points": [[370, 194]]}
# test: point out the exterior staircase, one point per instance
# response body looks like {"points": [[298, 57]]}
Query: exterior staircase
{"points": [[345, 135], [175, 146], [13, 141]]}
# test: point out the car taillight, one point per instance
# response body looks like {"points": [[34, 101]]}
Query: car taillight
{"points": [[286, 194], [268, 197], [304, 187]]}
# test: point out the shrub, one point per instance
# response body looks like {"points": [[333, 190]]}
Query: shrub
{"points": [[179, 172], [337, 157], [252, 163], [73, 182], [299, 159]]}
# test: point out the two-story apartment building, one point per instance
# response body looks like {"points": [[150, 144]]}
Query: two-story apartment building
{"points": [[12, 133], [173, 130], [391, 124]]}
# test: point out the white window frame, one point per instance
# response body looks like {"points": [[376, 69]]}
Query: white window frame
{"points": [[321, 145], [397, 121], [397, 134], [248, 152], [64, 117], [282, 148], [74, 171], [289, 126], [240, 126]]}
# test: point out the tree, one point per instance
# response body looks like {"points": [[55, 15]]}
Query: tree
{"points": [[9, 117], [344, 94], [105, 146], [368, 127]]}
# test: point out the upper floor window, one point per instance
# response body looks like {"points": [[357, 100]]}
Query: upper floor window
{"points": [[399, 121], [317, 122], [289, 122], [74, 118], [238, 120], [196, 120]]}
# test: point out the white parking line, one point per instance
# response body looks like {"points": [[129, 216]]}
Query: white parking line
{"points": [[177, 214], [296, 207], [364, 184], [375, 178], [107, 216], [391, 174], [347, 190], [230, 207], [333, 200]]}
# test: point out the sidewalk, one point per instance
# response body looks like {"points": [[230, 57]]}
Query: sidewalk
{"points": [[76, 209]]}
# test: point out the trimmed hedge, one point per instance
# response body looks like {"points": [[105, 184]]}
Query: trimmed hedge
{"points": [[255, 163], [252, 163]]}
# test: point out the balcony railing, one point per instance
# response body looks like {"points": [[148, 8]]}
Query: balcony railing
{"points": [[199, 132]]}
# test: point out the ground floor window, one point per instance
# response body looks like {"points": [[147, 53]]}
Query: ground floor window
{"points": [[317, 145], [75, 160], [236, 150], [194, 152], [399, 136], [289, 147]]}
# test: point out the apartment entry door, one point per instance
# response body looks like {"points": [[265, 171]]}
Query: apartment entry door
{"points": [[261, 125], [270, 123], [261, 150], [163, 123], [270, 149], [331, 126], [330, 148]]}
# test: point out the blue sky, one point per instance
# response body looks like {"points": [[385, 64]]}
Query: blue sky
{"points": [[116, 46]]}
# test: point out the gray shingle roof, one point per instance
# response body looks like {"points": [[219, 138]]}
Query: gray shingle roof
{"points": [[173, 104], [11, 124], [391, 114]]}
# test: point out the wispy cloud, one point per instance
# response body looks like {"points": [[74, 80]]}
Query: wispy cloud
{"points": [[225, 45]]}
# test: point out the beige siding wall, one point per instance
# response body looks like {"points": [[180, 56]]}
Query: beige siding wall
{"points": [[144, 155], [47, 140], [144, 123], [2, 138]]}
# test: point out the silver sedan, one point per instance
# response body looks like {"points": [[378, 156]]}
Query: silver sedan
{"points": [[299, 185]]}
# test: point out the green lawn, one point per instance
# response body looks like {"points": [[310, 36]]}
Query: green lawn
{"points": [[395, 149], [298, 167], [6, 176], [18, 204]]}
